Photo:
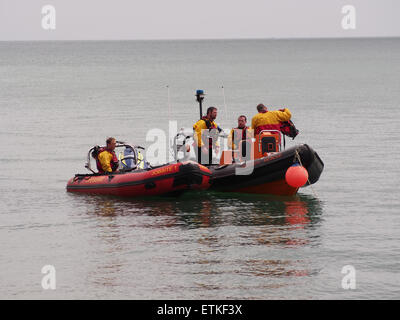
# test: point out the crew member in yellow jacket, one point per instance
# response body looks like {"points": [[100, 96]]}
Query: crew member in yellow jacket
{"points": [[107, 160], [269, 120], [202, 129]]}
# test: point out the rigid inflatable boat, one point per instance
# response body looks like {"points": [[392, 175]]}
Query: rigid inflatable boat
{"points": [[259, 163], [264, 170], [133, 181]]}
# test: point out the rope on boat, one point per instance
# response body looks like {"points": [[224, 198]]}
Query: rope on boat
{"points": [[308, 180]]}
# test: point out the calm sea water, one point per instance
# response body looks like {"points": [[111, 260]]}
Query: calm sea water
{"points": [[57, 99]]}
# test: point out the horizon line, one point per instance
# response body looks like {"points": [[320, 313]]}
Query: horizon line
{"points": [[206, 39]]}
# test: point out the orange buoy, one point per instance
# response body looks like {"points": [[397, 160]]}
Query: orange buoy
{"points": [[296, 176]]}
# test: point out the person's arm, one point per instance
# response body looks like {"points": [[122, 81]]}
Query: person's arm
{"points": [[283, 115], [219, 130], [105, 161], [197, 133]]}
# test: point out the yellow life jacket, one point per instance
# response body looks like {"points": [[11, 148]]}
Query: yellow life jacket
{"points": [[140, 161]]}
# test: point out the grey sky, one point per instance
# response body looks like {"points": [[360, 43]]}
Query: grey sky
{"points": [[203, 19]]}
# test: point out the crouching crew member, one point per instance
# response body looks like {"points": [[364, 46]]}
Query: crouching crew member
{"points": [[269, 120]]}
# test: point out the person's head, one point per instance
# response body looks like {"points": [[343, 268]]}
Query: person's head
{"points": [[242, 121], [261, 108], [212, 113], [111, 143]]}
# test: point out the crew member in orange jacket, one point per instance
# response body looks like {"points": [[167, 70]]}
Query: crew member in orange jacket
{"points": [[107, 160], [269, 120]]}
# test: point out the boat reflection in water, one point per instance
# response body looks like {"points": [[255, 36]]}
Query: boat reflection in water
{"points": [[223, 242], [212, 209]]}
